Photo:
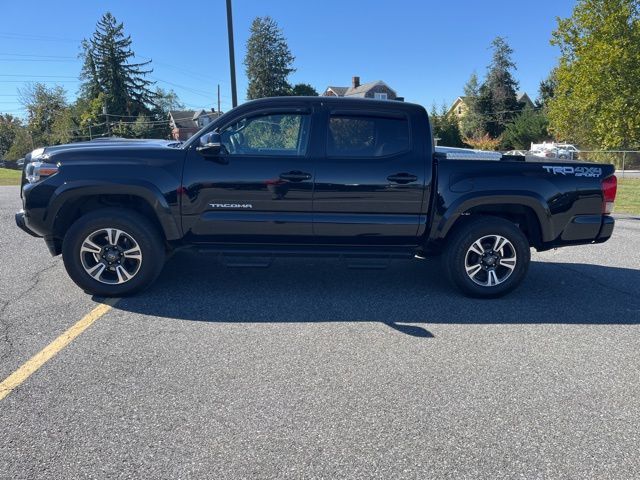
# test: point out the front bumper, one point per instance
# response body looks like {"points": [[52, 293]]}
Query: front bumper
{"points": [[22, 222], [53, 244]]}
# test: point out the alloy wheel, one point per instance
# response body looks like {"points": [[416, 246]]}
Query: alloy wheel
{"points": [[110, 256], [490, 260]]}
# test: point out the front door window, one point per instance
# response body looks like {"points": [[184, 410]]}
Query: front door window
{"points": [[278, 134]]}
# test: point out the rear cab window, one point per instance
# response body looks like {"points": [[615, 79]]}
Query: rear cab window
{"points": [[353, 135]]}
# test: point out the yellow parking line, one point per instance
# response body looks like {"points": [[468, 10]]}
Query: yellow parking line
{"points": [[43, 356]]}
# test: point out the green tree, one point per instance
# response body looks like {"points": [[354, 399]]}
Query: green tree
{"points": [[142, 127], [65, 128], [529, 126], [9, 126], [596, 100], [108, 68], [304, 89], [268, 60], [167, 100], [44, 105], [497, 100], [445, 127], [91, 121], [22, 144]]}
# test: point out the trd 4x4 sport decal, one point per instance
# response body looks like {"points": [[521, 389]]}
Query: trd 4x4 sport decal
{"points": [[576, 171]]}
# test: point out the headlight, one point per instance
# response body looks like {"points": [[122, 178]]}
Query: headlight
{"points": [[36, 171], [37, 153]]}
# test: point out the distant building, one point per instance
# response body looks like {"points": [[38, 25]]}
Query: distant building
{"points": [[185, 123], [459, 106], [378, 90]]}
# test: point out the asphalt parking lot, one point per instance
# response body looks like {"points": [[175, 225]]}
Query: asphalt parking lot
{"points": [[309, 369]]}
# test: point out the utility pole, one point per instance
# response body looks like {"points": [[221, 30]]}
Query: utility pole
{"points": [[106, 119], [90, 137], [218, 99], [232, 57]]}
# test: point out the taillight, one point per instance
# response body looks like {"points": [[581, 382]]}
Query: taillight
{"points": [[609, 190]]}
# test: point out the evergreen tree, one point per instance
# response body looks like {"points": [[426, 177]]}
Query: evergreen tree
{"points": [[268, 61], [546, 91], [445, 127], [530, 126], [497, 100], [107, 68], [90, 87], [472, 123]]}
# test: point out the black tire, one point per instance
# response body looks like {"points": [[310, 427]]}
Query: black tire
{"points": [[458, 257], [149, 240]]}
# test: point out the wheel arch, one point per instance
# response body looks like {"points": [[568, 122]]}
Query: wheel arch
{"points": [[528, 212], [69, 204]]}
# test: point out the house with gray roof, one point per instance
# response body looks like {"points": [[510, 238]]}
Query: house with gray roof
{"points": [[378, 90], [184, 123]]}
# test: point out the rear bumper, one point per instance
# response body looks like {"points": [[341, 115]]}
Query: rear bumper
{"points": [[583, 230], [22, 220], [588, 228], [606, 230]]}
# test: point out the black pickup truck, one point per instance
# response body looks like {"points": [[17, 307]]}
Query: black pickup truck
{"points": [[308, 176]]}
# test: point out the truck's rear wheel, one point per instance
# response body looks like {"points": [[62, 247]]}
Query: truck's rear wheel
{"points": [[113, 252], [487, 257]]}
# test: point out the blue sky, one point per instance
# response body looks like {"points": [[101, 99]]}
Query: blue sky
{"points": [[425, 50]]}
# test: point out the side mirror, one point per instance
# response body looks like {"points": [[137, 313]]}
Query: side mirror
{"points": [[212, 145]]}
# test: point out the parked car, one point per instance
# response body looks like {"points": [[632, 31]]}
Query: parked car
{"points": [[11, 164], [309, 176], [563, 151]]}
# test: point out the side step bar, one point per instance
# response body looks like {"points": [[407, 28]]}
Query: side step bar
{"points": [[353, 257]]}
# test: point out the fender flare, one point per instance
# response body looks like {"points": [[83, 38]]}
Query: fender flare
{"points": [[531, 200], [139, 188]]}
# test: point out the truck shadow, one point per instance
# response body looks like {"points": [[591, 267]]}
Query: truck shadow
{"points": [[407, 296]]}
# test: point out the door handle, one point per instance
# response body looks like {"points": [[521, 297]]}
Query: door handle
{"points": [[295, 176], [402, 178]]}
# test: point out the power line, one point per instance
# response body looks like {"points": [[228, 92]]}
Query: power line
{"points": [[193, 90], [44, 81], [24, 36], [36, 55], [27, 75], [37, 60]]}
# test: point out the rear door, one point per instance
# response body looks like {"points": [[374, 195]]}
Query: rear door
{"points": [[259, 189], [370, 181]]}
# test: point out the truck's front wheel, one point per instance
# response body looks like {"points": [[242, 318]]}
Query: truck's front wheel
{"points": [[487, 257], [113, 252]]}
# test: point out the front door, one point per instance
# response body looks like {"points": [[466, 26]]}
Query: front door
{"points": [[259, 189], [370, 184]]}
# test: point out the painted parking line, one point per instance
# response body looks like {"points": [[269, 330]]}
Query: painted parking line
{"points": [[47, 353]]}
